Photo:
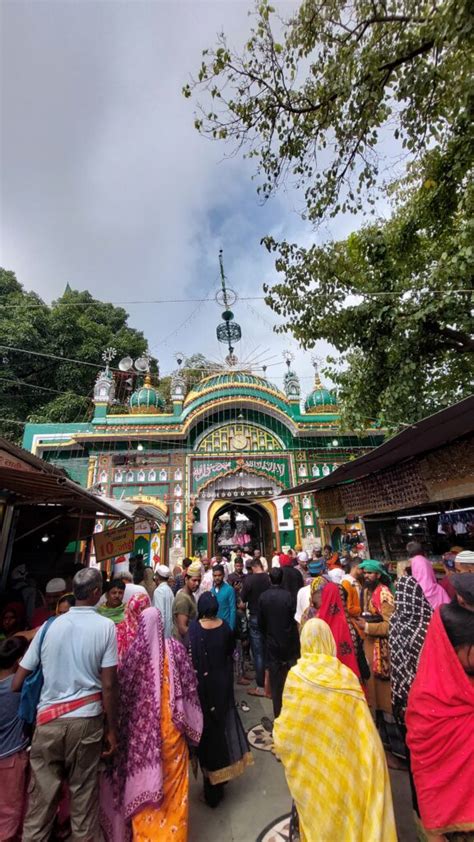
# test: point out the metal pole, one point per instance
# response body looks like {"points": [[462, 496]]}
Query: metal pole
{"points": [[6, 542]]}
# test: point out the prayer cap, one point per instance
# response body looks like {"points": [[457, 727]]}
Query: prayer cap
{"points": [[194, 569], [466, 557], [463, 583], [317, 567], [121, 567], [56, 586], [163, 571], [302, 556]]}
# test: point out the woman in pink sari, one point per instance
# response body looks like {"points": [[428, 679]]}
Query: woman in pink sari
{"points": [[146, 792], [422, 571], [128, 628]]}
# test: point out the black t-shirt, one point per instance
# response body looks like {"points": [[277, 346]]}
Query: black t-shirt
{"points": [[277, 623], [292, 581], [254, 585]]}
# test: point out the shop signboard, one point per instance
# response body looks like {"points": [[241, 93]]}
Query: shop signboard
{"points": [[114, 542]]}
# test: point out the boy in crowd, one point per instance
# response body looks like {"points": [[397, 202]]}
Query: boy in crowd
{"points": [[13, 742]]}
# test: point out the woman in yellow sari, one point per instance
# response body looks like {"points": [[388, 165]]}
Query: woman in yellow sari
{"points": [[328, 743]]}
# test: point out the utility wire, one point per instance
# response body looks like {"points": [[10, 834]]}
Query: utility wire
{"points": [[42, 388], [52, 356], [147, 302]]}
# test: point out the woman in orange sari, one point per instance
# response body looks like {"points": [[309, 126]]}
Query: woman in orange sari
{"points": [[159, 715]]}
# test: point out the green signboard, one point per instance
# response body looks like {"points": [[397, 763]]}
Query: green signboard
{"points": [[204, 471]]}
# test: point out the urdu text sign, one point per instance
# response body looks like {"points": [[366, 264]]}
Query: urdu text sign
{"points": [[114, 542]]}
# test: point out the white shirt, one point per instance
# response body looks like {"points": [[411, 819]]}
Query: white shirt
{"points": [[276, 560], [303, 600], [163, 598], [76, 646]]}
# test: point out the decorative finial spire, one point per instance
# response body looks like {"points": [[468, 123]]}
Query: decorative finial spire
{"points": [[317, 379], [288, 356], [178, 380], [291, 381], [108, 355], [228, 331]]}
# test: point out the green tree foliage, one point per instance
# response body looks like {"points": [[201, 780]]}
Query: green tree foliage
{"points": [[388, 299], [313, 101], [76, 326]]}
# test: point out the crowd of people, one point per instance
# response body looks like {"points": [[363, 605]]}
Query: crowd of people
{"points": [[134, 677]]}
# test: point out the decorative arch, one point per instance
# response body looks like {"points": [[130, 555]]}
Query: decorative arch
{"points": [[264, 407], [267, 505], [219, 438], [237, 470]]}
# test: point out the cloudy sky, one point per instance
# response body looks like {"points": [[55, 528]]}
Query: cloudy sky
{"points": [[107, 186]]}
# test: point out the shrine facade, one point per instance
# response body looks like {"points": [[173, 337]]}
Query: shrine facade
{"points": [[215, 464]]}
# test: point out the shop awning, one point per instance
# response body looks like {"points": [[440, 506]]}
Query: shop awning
{"points": [[134, 510], [27, 480], [430, 433]]}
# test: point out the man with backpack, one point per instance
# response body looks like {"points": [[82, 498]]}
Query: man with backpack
{"points": [[78, 657]]}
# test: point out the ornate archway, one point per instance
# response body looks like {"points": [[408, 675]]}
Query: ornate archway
{"points": [[262, 514]]}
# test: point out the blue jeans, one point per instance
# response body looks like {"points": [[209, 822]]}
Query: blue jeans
{"points": [[257, 647]]}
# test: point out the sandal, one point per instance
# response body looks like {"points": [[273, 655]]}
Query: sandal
{"points": [[257, 691]]}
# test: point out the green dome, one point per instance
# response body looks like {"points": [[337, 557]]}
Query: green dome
{"points": [[320, 399], [230, 380], [146, 399]]}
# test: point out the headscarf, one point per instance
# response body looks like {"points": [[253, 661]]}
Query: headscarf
{"points": [[372, 566], [318, 584], [422, 571], [127, 630], [324, 707], [285, 560], [138, 778], [333, 613], [149, 582], [407, 632], [208, 605], [67, 597], [319, 663], [440, 724]]}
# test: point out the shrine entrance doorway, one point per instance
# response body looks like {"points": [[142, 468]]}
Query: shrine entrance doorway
{"points": [[242, 522]]}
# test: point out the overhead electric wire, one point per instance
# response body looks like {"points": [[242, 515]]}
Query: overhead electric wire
{"points": [[147, 302], [42, 388], [52, 356]]}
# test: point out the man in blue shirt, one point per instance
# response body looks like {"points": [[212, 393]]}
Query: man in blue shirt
{"points": [[225, 596]]}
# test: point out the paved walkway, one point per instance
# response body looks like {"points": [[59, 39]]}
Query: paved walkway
{"points": [[255, 801]]}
